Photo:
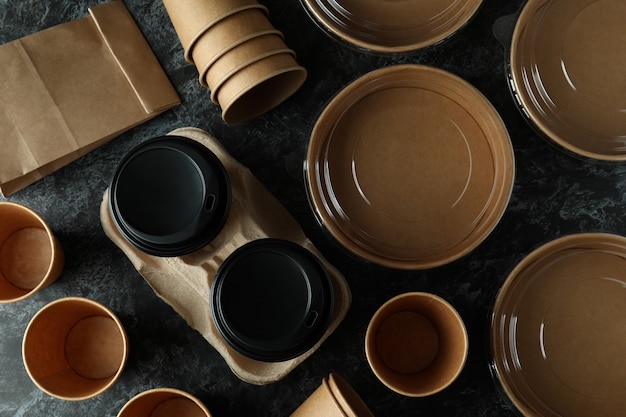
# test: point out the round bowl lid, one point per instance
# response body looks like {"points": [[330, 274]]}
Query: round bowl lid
{"points": [[567, 64], [409, 167], [170, 196], [271, 300], [391, 26], [558, 328]]}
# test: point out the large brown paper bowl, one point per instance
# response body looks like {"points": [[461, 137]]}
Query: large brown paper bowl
{"points": [[242, 53], [333, 398], [74, 348], [192, 17], [164, 402], [228, 33], [260, 87], [567, 65], [218, 79], [409, 167], [31, 257], [391, 26], [557, 329], [416, 344]]}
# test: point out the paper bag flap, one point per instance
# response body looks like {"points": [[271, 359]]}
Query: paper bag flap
{"points": [[66, 90], [134, 56]]}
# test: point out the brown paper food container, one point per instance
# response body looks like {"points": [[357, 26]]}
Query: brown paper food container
{"points": [[557, 342], [185, 282], [416, 344], [215, 80], [228, 33], [259, 87], [74, 348], [164, 402], [334, 398], [391, 27], [243, 52], [191, 18], [561, 77], [434, 174], [31, 257], [68, 89]]}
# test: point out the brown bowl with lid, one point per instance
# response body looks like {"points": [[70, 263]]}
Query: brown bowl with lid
{"points": [[409, 167], [567, 64]]}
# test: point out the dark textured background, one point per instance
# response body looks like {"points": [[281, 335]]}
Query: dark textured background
{"points": [[554, 194]]}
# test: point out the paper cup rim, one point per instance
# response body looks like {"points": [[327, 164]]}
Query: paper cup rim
{"points": [[109, 314], [205, 69], [286, 93], [372, 329], [176, 393], [56, 251], [215, 88], [189, 47]]}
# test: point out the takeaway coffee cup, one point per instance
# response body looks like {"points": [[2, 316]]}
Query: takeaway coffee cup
{"points": [[271, 300], [164, 402], [74, 348], [170, 196], [416, 344], [334, 398], [31, 258]]}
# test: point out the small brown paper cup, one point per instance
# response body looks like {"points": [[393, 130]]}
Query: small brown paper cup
{"points": [[192, 17], [228, 33], [259, 87], [334, 398], [215, 83], [164, 402], [416, 344], [74, 348], [31, 258], [243, 53]]}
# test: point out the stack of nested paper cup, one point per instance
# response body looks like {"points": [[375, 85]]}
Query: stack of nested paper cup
{"points": [[240, 56]]}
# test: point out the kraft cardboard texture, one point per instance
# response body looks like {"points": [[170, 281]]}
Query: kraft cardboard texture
{"points": [[184, 282], [70, 88]]}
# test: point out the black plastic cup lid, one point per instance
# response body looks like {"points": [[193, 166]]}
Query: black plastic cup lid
{"points": [[170, 196], [271, 300]]}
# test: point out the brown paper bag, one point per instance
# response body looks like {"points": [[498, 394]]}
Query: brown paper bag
{"points": [[184, 282], [68, 89]]}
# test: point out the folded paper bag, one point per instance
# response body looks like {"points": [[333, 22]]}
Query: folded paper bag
{"points": [[70, 88], [184, 282]]}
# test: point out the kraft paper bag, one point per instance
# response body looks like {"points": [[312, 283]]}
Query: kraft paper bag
{"points": [[184, 282], [68, 89]]}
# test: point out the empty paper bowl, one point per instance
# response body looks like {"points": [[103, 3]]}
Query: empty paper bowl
{"points": [[391, 26], [567, 64], [271, 300], [170, 196], [31, 257], [334, 398], [164, 402], [416, 344], [558, 329], [409, 167], [74, 348]]}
